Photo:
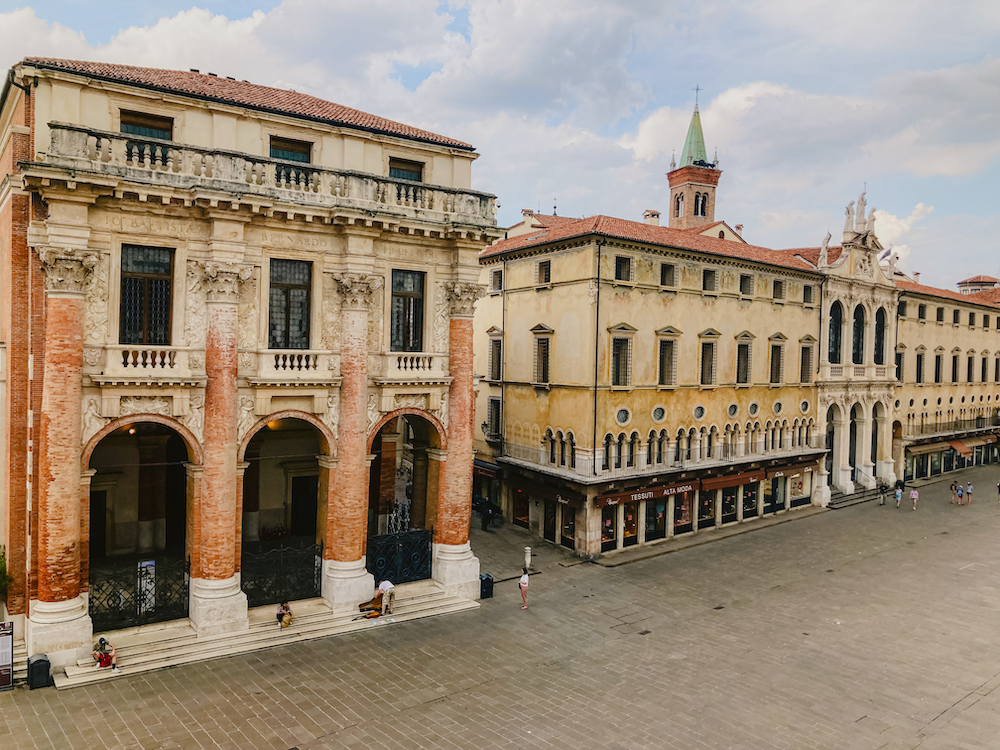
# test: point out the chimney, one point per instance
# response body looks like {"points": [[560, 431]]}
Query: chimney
{"points": [[739, 229], [916, 278], [526, 212], [651, 217]]}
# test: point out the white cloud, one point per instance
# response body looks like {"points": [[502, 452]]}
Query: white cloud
{"points": [[893, 231]]}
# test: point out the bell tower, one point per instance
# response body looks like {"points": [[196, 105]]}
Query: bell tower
{"points": [[693, 181]]}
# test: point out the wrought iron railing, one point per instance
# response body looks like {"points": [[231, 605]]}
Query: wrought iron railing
{"points": [[130, 591], [400, 558], [272, 573], [954, 425]]}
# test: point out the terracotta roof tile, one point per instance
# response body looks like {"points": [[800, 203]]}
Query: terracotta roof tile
{"points": [[609, 226], [811, 254], [984, 298], [978, 280], [245, 94]]}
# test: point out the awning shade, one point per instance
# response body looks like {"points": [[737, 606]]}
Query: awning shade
{"points": [[974, 441], [961, 447], [917, 450], [747, 477]]}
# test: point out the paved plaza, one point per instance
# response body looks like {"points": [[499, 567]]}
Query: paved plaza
{"points": [[869, 627]]}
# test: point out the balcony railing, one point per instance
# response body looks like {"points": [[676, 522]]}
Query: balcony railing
{"points": [[287, 365], [135, 360], [413, 366], [166, 163], [954, 426]]}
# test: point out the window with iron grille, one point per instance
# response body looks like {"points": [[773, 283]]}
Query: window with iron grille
{"points": [[807, 295], [972, 319], [708, 363], [406, 325], [288, 317], [623, 268], [493, 417], [708, 280], [986, 321], [779, 289], [743, 362], [400, 169], [496, 359], [984, 371], [498, 280], [145, 295], [746, 284], [544, 271], [940, 315], [668, 274], [996, 370], [777, 363], [668, 362], [806, 365], [621, 365], [955, 316], [542, 359]]}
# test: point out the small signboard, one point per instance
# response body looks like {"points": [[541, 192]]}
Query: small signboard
{"points": [[6, 656]]}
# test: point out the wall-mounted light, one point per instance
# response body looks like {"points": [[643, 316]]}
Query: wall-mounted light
{"points": [[131, 430]]}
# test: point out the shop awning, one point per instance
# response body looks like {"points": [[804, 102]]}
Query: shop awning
{"points": [[747, 477], [485, 468], [790, 471], [647, 493], [541, 492], [961, 447], [990, 438], [919, 450], [974, 441]]}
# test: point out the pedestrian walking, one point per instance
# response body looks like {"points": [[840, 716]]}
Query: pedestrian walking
{"points": [[954, 492], [998, 490], [899, 494], [968, 494], [523, 584], [914, 495], [882, 488], [961, 495]]}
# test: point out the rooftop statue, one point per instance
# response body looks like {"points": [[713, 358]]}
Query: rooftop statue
{"points": [[859, 222], [849, 217]]}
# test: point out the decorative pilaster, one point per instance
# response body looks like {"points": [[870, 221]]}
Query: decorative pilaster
{"points": [[58, 623]]}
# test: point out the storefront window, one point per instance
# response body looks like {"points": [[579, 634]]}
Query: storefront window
{"points": [[609, 528], [935, 464], [549, 521], [656, 519], [908, 470], [569, 527], [682, 512], [800, 488], [706, 509], [729, 504], [922, 464], [521, 508], [949, 459], [630, 524], [750, 499]]}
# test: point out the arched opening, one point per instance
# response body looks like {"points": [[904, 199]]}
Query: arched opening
{"points": [[858, 338], [836, 331], [878, 423], [403, 489], [833, 419], [284, 515], [854, 452], [139, 561], [679, 205], [880, 322]]}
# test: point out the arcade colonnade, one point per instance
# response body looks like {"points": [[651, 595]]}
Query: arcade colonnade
{"points": [[58, 623]]}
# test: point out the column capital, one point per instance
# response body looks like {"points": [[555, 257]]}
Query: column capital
{"points": [[462, 297], [66, 271], [222, 280], [356, 289]]}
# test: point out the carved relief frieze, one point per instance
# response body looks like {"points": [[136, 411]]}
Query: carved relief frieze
{"points": [[247, 334], [247, 361], [462, 297], [66, 271], [93, 356], [194, 313], [373, 411], [330, 335], [196, 361], [247, 418], [411, 401], [442, 312], [195, 420], [96, 309], [332, 416], [91, 421], [442, 412], [145, 405], [356, 289]]}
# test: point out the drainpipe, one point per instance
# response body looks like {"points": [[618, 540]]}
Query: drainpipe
{"points": [[503, 360], [597, 340]]}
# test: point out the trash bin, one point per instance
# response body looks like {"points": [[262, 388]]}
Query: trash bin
{"points": [[38, 671], [485, 586]]}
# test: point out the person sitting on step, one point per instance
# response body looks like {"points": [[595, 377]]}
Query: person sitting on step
{"points": [[105, 655], [284, 615]]}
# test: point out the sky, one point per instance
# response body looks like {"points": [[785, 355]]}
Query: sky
{"points": [[580, 104]]}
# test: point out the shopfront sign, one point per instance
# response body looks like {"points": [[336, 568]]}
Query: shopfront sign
{"points": [[647, 493], [747, 477], [790, 471]]}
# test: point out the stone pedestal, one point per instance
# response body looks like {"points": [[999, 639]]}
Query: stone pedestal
{"points": [[347, 584], [62, 630], [457, 569], [887, 471], [218, 606], [821, 493]]}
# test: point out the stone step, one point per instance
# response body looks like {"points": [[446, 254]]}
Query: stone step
{"points": [[839, 500], [181, 645], [20, 661]]}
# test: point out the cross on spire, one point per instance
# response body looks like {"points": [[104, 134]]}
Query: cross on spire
{"points": [[696, 89]]}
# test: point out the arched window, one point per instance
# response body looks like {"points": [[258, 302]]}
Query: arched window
{"points": [[858, 343], [679, 205], [722, 235], [607, 452], [836, 328], [552, 446], [572, 451], [697, 204], [620, 452], [651, 448], [633, 443], [562, 449], [880, 319]]}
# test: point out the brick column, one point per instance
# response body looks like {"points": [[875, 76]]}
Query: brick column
{"points": [[58, 623], [455, 567], [346, 582], [217, 603]]}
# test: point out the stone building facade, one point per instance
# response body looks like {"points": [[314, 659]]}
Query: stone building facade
{"points": [[235, 319]]}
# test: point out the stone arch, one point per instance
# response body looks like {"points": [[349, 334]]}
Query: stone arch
{"points": [[327, 441], [435, 423], [195, 452]]}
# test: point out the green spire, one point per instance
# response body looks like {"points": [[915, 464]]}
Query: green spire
{"points": [[694, 145]]}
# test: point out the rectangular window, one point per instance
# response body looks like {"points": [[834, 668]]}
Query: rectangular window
{"points": [[970, 372], [668, 274], [496, 359], [922, 312], [983, 371], [806, 367], [938, 368], [668, 362], [289, 150], [147, 273], [743, 363], [920, 368], [940, 315], [621, 349], [542, 359], [147, 126], [623, 268], [954, 368], [406, 325], [807, 295], [986, 321], [288, 313], [955, 316], [901, 309], [493, 417], [972, 319], [708, 280], [899, 366], [746, 285], [996, 370], [544, 275], [777, 352], [708, 363], [779, 289], [400, 169], [497, 281]]}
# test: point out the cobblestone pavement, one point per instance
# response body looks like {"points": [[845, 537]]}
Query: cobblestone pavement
{"points": [[869, 627]]}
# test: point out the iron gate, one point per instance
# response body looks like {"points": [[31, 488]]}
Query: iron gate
{"points": [[269, 575], [400, 558], [130, 592]]}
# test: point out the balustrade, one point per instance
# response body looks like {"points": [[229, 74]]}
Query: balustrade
{"points": [[146, 361]]}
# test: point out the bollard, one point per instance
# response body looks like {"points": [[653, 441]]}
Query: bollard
{"points": [[527, 557]]}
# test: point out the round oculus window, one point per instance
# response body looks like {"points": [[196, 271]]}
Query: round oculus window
{"points": [[804, 406], [777, 407], [754, 408], [699, 412], [733, 410], [659, 413], [622, 416]]}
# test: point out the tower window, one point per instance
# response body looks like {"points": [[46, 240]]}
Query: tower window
{"points": [[679, 205]]}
